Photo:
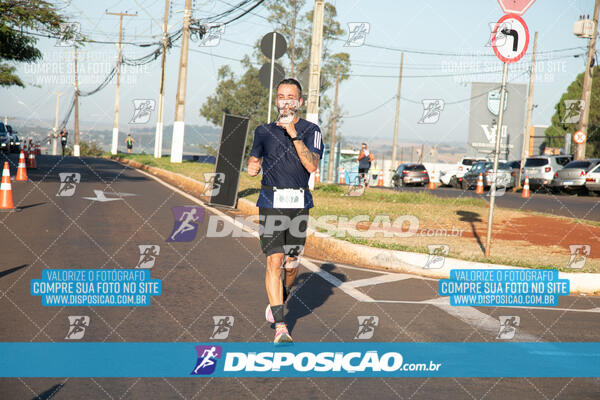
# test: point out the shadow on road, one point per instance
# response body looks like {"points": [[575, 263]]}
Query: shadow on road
{"points": [[32, 205], [471, 218], [310, 292], [10, 271], [48, 394]]}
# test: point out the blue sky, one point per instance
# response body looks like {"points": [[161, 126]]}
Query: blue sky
{"points": [[433, 25]]}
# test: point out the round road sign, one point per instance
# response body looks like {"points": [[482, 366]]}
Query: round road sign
{"points": [[510, 38], [266, 45], [579, 137], [264, 74]]}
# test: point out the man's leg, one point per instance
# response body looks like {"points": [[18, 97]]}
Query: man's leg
{"points": [[273, 280]]}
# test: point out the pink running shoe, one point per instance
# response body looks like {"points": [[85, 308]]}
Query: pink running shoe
{"points": [[281, 334]]}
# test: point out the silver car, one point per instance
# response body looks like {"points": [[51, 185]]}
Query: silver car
{"points": [[541, 169], [592, 180], [572, 177]]}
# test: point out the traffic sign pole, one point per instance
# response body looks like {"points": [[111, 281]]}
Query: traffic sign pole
{"points": [[488, 241]]}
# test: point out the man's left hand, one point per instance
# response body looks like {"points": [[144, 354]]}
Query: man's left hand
{"points": [[289, 128]]}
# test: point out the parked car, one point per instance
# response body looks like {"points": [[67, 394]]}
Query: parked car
{"points": [[515, 166], [572, 177], [592, 180], [407, 174], [14, 142], [454, 176], [486, 169], [541, 169], [4, 139]]}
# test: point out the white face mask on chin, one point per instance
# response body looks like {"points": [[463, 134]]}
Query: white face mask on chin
{"points": [[287, 110]]}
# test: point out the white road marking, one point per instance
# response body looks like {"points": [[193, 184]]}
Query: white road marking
{"points": [[384, 278]]}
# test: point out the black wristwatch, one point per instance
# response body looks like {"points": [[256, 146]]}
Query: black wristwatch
{"points": [[296, 138]]}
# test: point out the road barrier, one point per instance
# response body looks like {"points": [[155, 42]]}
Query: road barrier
{"points": [[479, 189], [21, 168], [6, 197], [525, 194]]}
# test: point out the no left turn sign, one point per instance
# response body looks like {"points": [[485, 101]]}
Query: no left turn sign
{"points": [[510, 38]]}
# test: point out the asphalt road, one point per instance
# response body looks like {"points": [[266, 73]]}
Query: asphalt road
{"points": [[572, 206], [225, 276]]}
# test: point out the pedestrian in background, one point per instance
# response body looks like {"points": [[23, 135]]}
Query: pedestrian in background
{"points": [[365, 157]]}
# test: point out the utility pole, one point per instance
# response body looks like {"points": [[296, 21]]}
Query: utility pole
{"points": [[397, 118], [115, 135], [333, 124], [179, 124], [161, 95], [314, 80], [293, 38], [312, 108], [525, 147], [54, 138], [488, 241], [76, 122], [586, 91]]}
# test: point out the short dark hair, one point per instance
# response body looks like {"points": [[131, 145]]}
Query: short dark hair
{"points": [[363, 143], [291, 81]]}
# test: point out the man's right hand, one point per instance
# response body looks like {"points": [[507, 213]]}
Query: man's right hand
{"points": [[253, 166]]}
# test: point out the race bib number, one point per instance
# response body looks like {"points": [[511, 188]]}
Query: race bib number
{"points": [[288, 198]]}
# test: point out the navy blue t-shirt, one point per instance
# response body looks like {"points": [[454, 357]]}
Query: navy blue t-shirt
{"points": [[281, 164]]}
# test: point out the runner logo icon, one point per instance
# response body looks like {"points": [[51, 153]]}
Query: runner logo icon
{"points": [[207, 359], [223, 324], [366, 326], [186, 223]]}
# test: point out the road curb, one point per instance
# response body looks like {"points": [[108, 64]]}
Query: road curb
{"points": [[331, 249]]}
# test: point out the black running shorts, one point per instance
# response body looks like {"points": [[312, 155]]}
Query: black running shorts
{"points": [[283, 230]]}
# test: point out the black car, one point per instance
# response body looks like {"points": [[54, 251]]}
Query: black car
{"points": [[14, 142], [4, 139], [410, 174]]}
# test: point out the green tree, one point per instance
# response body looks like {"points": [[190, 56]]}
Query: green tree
{"points": [[556, 132], [245, 96], [16, 17]]}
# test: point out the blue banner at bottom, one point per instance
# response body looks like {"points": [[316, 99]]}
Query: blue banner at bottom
{"points": [[227, 359]]}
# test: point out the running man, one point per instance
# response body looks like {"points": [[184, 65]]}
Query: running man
{"points": [[129, 142], [63, 139], [288, 151], [186, 222]]}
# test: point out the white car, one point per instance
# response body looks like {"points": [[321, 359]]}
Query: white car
{"points": [[454, 176], [592, 180]]}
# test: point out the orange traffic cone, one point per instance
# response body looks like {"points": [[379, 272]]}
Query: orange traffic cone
{"points": [[342, 177], [21, 168], [6, 198], [525, 194], [380, 178], [317, 176], [38, 150], [431, 185], [479, 189], [31, 160]]}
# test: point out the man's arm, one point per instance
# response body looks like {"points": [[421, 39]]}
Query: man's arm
{"points": [[309, 160]]}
